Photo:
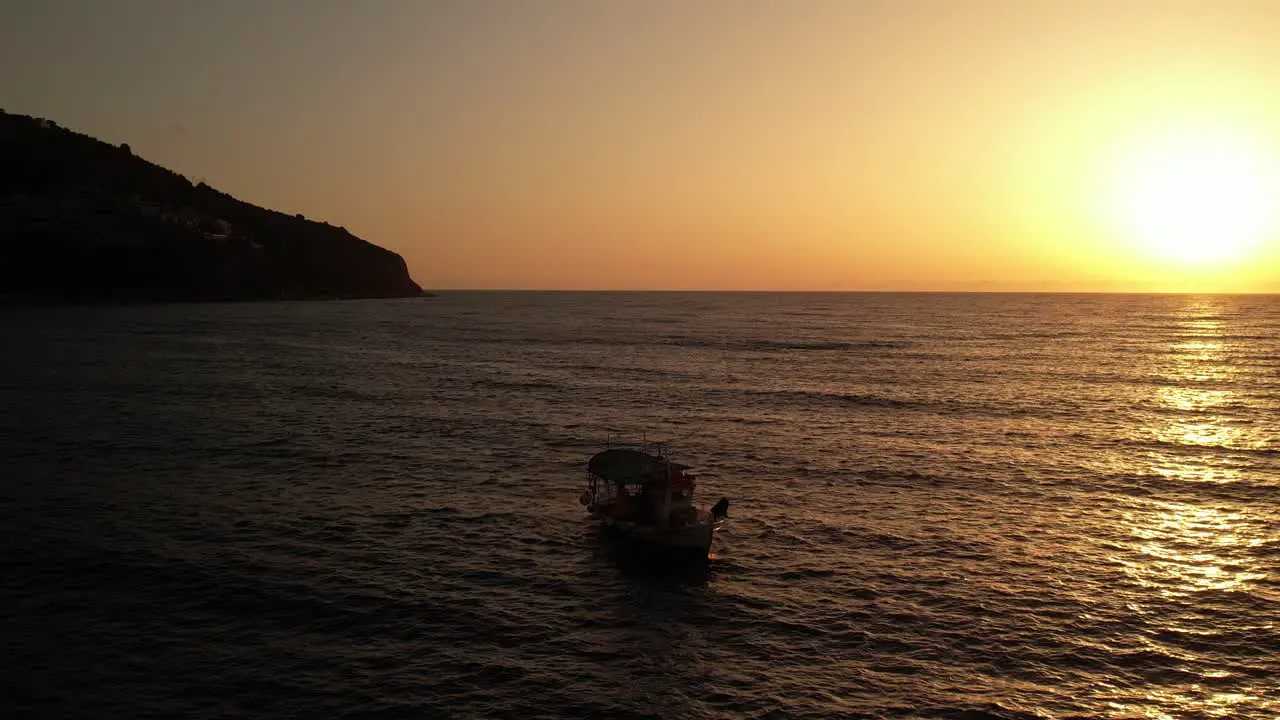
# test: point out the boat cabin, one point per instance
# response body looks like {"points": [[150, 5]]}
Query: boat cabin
{"points": [[626, 485]]}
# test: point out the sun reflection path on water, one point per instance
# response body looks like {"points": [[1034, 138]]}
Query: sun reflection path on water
{"points": [[1187, 549], [1200, 405], [1217, 705], [1185, 552], [1197, 558]]}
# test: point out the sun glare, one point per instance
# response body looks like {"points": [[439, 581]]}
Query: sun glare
{"points": [[1196, 197]]}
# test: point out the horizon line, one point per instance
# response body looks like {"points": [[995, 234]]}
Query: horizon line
{"points": [[857, 292]]}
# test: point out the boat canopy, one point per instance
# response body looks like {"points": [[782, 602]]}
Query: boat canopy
{"points": [[633, 467]]}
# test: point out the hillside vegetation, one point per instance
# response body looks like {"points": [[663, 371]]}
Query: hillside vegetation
{"points": [[84, 221]]}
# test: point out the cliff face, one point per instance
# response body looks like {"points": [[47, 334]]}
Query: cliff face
{"points": [[85, 221]]}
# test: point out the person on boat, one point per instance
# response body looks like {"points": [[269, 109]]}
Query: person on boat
{"points": [[626, 507], [647, 505]]}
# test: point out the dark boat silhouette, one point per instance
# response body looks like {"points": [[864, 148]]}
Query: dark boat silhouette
{"points": [[648, 500]]}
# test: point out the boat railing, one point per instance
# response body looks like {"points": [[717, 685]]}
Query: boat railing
{"points": [[657, 448]]}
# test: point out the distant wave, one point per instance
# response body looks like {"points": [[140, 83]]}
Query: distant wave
{"points": [[1190, 447], [810, 396], [1135, 376], [1221, 338], [1250, 487], [637, 372], [757, 345], [514, 384], [768, 345], [955, 407]]}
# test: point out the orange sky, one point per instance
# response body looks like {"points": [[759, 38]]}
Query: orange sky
{"points": [[667, 144]]}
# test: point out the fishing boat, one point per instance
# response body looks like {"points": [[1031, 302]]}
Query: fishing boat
{"points": [[648, 499]]}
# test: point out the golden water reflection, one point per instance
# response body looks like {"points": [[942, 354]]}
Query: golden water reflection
{"points": [[1197, 405], [1180, 549], [1185, 546], [1189, 548], [1217, 704]]}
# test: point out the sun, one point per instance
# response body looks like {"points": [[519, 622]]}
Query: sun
{"points": [[1196, 197]]}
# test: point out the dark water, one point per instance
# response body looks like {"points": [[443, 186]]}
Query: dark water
{"points": [[943, 507]]}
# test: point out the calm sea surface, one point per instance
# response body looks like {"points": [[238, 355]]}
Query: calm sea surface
{"points": [[943, 506]]}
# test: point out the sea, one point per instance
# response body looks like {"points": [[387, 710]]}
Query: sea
{"points": [[950, 506]]}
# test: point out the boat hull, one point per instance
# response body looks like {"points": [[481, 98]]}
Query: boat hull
{"points": [[687, 541]]}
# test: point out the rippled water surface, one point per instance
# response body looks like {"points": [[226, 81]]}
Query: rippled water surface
{"points": [[943, 506]]}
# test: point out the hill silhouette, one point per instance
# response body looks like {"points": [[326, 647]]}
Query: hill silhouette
{"points": [[82, 220]]}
